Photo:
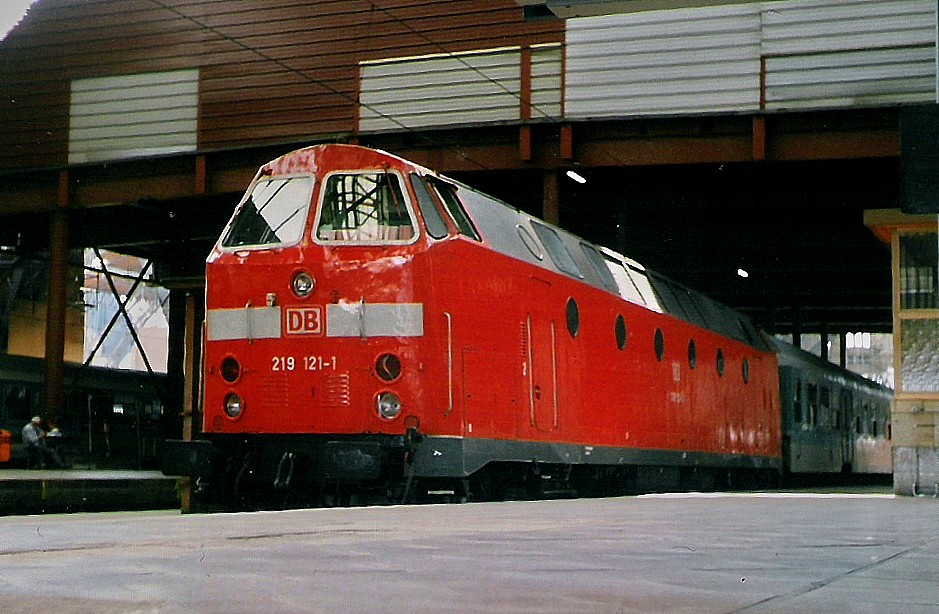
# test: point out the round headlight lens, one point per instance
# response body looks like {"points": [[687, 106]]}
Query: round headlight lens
{"points": [[389, 405], [233, 405], [303, 284], [231, 370]]}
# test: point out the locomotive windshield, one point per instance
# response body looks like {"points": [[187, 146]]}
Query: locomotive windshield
{"points": [[364, 208], [274, 213]]}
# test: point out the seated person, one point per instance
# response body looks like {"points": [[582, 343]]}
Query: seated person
{"points": [[40, 455]]}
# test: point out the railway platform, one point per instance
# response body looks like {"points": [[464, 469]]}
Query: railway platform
{"points": [[864, 552], [84, 490]]}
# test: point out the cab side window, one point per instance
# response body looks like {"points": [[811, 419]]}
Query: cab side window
{"points": [[451, 201], [436, 227]]}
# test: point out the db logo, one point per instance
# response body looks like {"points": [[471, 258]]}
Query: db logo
{"points": [[304, 320]]}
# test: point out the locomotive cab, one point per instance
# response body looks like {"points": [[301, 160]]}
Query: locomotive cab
{"points": [[316, 323]]}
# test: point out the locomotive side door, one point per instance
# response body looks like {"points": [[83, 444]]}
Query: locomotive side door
{"points": [[490, 399], [542, 377]]}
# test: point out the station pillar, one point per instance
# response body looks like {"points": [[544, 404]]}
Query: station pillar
{"points": [[57, 303], [187, 314], [914, 428]]}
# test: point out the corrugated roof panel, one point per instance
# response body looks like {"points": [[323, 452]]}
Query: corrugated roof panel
{"points": [[110, 147], [546, 82], [270, 72], [829, 53], [440, 90], [835, 25], [819, 54], [680, 61], [125, 116]]}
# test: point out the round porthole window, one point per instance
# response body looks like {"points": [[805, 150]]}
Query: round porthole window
{"points": [[659, 344], [620, 329], [573, 317]]}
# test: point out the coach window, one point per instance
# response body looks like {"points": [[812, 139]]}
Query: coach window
{"points": [[797, 402], [364, 208], [692, 355], [720, 363], [152, 409], [659, 344], [824, 404], [846, 409], [813, 405], [745, 370], [273, 213], [451, 201], [436, 227]]}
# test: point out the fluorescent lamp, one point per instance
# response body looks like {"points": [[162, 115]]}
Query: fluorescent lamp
{"points": [[576, 176]]}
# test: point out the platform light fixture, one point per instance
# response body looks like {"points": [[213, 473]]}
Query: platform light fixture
{"points": [[743, 273], [576, 177]]}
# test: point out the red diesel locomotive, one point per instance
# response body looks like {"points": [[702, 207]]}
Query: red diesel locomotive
{"points": [[377, 332]]}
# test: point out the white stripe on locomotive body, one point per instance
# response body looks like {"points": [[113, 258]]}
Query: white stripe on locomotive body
{"points": [[244, 323], [367, 320]]}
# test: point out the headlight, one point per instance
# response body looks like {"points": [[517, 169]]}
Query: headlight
{"points": [[233, 405], [303, 284], [231, 370], [389, 405], [388, 367]]}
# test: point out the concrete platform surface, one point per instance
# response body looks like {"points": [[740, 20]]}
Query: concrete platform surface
{"points": [[679, 553]]}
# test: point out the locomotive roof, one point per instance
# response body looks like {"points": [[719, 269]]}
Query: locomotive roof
{"points": [[519, 235], [793, 357], [512, 232]]}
